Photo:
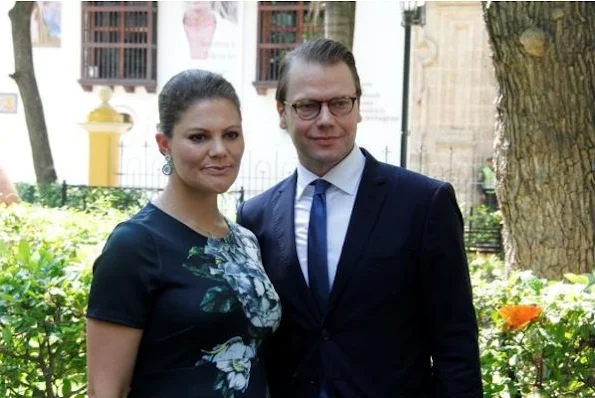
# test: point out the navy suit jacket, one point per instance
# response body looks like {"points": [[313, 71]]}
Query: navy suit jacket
{"points": [[400, 320]]}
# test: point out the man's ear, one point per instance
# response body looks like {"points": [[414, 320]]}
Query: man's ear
{"points": [[282, 115], [359, 113], [162, 143]]}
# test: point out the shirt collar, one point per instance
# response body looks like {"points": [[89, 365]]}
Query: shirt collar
{"points": [[345, 175]]}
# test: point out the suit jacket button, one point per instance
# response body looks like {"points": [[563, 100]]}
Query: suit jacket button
{"points": [[324, 334], [295, 375]]}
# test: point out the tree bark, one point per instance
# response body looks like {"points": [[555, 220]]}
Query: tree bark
{"points": [[24, 75], [339, 20], [545, 134]]}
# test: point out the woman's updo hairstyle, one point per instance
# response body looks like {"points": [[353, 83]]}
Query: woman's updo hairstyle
{"points": [[187, 88]]}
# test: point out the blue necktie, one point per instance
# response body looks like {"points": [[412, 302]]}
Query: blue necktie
{"points": [[317, 247]]}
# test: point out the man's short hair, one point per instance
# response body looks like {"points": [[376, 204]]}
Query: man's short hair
{"points": [[320, 51]]}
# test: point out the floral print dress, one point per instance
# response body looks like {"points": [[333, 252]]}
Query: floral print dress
{"points": [[205, 306]]}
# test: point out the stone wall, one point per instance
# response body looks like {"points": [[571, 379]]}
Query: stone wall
{"points": [[452, 96]]}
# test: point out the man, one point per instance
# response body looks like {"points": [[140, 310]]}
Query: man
{"points": [[381, 305], [487, 183]]}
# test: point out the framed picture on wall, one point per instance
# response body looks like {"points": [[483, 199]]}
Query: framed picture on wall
{"points": [[8, 103]]}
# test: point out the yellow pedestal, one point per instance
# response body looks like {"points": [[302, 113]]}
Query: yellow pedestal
{"points": [[105, 126], [104, 159]]}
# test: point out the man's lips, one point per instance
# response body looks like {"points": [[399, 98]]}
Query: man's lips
{"points": [[324, 140]]}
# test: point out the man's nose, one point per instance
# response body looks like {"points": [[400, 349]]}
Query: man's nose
{"points": [[325, 116]]}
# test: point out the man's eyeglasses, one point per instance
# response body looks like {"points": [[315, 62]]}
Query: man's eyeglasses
{"points": [[310, 109]]}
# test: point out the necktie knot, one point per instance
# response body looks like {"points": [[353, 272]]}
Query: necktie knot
{"points": [[320, 186]]}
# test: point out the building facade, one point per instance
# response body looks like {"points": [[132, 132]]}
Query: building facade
{"points": [[453, 92], [135, 47]]}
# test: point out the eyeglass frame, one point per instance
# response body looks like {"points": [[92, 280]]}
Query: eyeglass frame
{"points": [[320, 103]]}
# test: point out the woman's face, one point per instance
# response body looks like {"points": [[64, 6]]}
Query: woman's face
{"points": [[206, 146]]}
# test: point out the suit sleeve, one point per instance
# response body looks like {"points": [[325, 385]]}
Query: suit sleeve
{"points": [[448, 301], [239, 215]]}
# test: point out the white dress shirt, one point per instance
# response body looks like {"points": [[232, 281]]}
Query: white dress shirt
{"points": [[345, 178]]}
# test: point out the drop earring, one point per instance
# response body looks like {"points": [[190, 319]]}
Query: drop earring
{"points": [[168, 167]]}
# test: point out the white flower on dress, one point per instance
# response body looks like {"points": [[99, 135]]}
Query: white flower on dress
{"points": [[235, 262], [234, 359]]}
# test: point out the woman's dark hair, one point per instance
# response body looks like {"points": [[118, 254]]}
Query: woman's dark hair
{"points": [[185, 89], [322, 52]]}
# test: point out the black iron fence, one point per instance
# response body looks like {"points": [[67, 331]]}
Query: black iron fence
{"points": [[483, 240], [86, 197], [482, 228]]}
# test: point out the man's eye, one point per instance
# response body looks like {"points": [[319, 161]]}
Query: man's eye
{"points": [[341, 103], [308, 106]]}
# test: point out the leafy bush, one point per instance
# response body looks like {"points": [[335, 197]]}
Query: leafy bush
{"points": [[553, 355], [483, 218], [483, 230], [82, 197], [45, 258], [97, 199], [45, 261]]}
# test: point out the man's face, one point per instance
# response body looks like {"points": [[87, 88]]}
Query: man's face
{"points": [[327, 139]]}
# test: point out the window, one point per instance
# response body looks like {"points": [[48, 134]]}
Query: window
{"points": [[282, 26], [119, 44]]}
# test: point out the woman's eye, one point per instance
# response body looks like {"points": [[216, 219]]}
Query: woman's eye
{"points": [[232, 134], [198, 137]]}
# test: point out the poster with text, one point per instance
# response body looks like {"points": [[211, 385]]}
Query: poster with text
{"points": [[46, 19]]}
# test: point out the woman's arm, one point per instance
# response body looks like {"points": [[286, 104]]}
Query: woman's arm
{"points": [[111, 354]]}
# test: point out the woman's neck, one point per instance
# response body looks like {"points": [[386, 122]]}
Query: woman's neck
{"points": [[197, 210]]}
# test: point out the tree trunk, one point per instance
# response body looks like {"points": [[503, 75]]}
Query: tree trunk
{"points": [[545, 136], [24, 75], [339, 20]]}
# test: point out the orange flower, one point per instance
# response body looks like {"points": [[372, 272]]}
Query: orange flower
{"points": [[518, 316]]}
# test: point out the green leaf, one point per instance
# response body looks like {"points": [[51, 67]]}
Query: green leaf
{"points": [[24, 251], [203, 271], [66, 387], [7, 335], [578, 279], [219, 299]]}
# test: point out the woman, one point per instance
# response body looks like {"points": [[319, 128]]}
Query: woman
{"points": [[180, 303]]}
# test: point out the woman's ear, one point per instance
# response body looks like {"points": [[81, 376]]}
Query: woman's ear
{"points": [[162, 143]]}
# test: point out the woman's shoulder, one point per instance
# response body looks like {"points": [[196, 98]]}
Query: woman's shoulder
{"points": [[135, 230]]}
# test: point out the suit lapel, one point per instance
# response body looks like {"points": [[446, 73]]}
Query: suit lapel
{"points": [[366, 210], [288, 271]]}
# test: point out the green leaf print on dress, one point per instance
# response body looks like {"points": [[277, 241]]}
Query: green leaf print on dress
{"points": [[235, 262]]}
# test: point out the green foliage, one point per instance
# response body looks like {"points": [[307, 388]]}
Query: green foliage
{"points": [[45, 261], [554, 356], [45, 258], [482, 217], [483, 230], [92, 199], [100, 200]]}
